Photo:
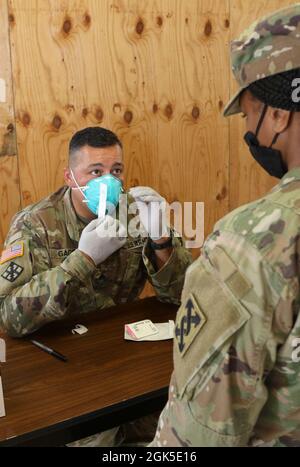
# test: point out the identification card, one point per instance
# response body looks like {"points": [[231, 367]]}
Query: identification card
{"points": [[141, 329]]}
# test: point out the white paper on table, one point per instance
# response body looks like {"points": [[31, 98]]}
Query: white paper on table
{"points": [[165, 331], [2, 351], [2, 408]]}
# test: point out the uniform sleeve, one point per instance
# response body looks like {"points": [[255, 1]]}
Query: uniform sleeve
{"points": [[280, 417], [31, 293], [212, 391], [224, 350], [168, 281]]}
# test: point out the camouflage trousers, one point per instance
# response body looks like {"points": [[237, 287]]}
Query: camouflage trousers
{"points": [[140, 432]]}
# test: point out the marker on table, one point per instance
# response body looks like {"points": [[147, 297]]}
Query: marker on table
{"points": [[49, 350]]}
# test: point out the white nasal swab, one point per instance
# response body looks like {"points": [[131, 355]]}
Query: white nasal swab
{"points": [[102, 200]]}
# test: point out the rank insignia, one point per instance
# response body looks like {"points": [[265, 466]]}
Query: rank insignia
{"points": [[12, 272], [189, 321]]}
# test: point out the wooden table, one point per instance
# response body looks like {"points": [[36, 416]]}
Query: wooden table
{"points": [[106, 381]]}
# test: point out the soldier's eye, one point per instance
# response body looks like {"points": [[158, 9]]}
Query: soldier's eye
{"points": [[117, 172], [96, 172]]}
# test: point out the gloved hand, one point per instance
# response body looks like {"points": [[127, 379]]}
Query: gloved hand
{"points": [[152, 211], [101, 238]]}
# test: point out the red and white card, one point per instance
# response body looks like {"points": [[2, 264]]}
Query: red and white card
{"points": [[148, 331], [141, 329]]}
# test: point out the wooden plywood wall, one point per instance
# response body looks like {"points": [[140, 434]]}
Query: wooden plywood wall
{"points": [[155, 72], [9, 167]]}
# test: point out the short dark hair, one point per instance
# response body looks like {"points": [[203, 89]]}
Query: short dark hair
{"points": [[96, 137], [276, 90]]}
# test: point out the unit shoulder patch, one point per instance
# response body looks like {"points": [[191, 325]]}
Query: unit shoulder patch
{"points": [[12, 272], [190, 320]]}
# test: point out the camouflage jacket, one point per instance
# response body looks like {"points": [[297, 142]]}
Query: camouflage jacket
{"points": [[46, 277], [236, 379]]}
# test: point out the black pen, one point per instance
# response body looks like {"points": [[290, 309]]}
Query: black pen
{"points": [[50, 351]]}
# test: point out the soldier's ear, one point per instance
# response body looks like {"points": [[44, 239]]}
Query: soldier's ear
{"points": [[281, 119], [68, 177]]}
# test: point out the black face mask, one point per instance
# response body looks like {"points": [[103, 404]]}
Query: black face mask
{"points": [[270, 159]]}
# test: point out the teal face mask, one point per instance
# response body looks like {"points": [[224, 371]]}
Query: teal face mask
{"points": [[102, 194]]}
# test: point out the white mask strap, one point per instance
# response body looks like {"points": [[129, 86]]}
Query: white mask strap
{"points": [[78, 187]]}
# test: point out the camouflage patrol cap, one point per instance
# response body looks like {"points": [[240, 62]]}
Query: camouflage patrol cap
{"points": [[269, 46]]}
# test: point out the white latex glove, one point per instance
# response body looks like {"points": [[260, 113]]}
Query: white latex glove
{"points": [[152, 211], [101, 238]]}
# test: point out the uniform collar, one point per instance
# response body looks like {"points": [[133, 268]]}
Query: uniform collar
{"points": [[74, 224], [292, 176]]}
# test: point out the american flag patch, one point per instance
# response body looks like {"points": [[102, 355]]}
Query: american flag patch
{"points": [[12, 252]]}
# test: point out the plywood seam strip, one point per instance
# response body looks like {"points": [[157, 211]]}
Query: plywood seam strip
{"points": [[230, 120], [13, 103]]}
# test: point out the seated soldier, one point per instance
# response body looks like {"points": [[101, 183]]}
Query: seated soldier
{"points": [[60, 260]]}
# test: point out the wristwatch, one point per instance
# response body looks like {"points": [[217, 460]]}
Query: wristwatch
{"points": [[161, 246]]}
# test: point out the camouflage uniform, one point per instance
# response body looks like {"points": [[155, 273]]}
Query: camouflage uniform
{"points": [[235, 380], [52, 279]]}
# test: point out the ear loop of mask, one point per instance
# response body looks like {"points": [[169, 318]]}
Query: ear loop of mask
{"points": [[79, 188], [260, 124], [278, 134]]}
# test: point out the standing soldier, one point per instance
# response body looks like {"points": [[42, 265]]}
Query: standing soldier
{"points": [[236, 379]]}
